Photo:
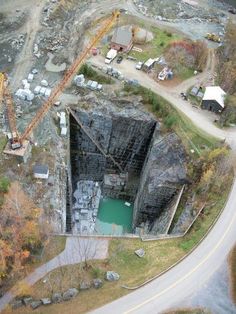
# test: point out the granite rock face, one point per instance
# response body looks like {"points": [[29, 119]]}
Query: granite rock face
{"points": [[110, 140], [163, 174]]}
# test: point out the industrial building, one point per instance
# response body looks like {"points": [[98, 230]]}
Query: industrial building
{"points": [[213, 99], [122, 39]]}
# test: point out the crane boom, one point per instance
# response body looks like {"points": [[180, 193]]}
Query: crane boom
{"points": [[5, 93], [2, 78], [68, 75]]}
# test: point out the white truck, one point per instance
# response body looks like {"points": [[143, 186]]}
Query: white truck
{"points": [[112, 53]]}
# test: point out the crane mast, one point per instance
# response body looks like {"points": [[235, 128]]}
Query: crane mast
{"points": [[68, 75], [6, 95], [2, 78]]}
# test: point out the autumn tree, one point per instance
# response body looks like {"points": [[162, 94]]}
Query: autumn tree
{"points": [[19, 229], [187, 53], [227, 60]]}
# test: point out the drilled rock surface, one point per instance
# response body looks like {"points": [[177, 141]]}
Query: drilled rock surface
{"points": [[162, 176]]}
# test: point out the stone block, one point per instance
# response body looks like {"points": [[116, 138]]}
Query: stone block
{"points": [[112, 276], [46, 301], [35, 304], [57, 297], [69, 294], [27, 300], [97, 283]]}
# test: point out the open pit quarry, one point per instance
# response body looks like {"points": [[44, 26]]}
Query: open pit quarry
{"points": [[119, 151]]}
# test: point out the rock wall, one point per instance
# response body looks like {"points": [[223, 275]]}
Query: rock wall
{"points": [[162, 176], [124, 135]]}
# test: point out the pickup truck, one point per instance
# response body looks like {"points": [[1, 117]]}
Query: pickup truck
{"points": [[110, 56]]}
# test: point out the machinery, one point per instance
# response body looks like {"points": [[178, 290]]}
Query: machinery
{"points": [[16, 140], [6, 95], [213, 37]]}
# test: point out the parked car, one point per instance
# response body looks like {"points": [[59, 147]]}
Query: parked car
{"points": [[139, 65], [131, 58], [119, 59]]}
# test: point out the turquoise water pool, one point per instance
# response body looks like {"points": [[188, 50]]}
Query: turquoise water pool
{"points": [[114, 217]]}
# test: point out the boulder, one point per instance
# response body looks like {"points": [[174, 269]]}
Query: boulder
{"points": [[140, 252], [69, 294], [84, 285], [16, 304], [35, 304], [57, 297], [97, 283], [112, 276], [27, 300], [46, 301]]}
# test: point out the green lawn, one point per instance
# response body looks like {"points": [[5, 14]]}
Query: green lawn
{"points": [[3, 142], [156, 47]]}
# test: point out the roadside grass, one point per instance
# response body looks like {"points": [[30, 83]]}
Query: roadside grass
{"points": [[90, 73], [159, 255], [232, 269], [184, 73], [188, 311], [3, 142], [191, 136]]}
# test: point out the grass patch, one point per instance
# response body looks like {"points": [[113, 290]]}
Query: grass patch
{"points": [[53, 246], [91, 74], [232, 266], [188, 311], [157, 46], [3, 143], [192, 137]]}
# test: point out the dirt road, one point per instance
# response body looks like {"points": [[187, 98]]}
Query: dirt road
{"points": [[25, 58]]}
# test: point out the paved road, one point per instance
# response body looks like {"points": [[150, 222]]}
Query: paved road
{"points": [[76, 250]]}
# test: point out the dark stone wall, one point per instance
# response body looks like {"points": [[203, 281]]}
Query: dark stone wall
{"points": [[162, 176], [124, 138]]}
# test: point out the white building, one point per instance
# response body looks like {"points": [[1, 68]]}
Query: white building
{"points": [[41, 171], [213, 99]]}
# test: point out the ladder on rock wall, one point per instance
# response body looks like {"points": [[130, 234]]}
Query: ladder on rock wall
{"points": [[86, 131]]}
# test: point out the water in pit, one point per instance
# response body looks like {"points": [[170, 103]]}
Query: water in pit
{"points": [[114, 217]]}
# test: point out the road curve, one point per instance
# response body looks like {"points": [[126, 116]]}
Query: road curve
{"points": [[188, 276]]}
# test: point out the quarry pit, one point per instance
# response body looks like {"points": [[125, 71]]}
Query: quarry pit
{"points": [[118, 153]]}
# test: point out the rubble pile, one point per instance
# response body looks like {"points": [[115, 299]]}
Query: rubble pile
{"points": [[85, 209]]}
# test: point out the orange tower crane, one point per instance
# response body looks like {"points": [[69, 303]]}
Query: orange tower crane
{"points": [[18, 140], [6, 95]]}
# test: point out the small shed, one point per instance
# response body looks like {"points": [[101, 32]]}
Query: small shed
{"points": [[122, 39], [213, 99], [41, 171]]}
